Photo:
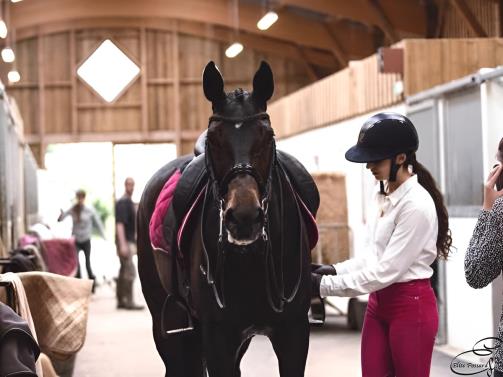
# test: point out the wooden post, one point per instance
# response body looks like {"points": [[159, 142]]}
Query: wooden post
{"points": [[143, 78], [41, 99], [176, 91], [73, 78]]}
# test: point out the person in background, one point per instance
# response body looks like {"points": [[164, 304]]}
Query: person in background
{"points": [[484, 257], [408, 231], [125, 231], [84, 220]]}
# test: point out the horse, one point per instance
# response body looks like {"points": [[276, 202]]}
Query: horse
{"points": [[244, 260]]}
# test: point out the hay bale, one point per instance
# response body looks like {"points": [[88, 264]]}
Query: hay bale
{"points": [[332, 219]]}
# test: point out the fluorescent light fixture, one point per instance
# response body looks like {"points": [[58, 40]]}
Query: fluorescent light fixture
{"points": [[15, 1], [8, 55], [13, 76], [234, 50], [266, 22], [3, 29], [108, 71]]}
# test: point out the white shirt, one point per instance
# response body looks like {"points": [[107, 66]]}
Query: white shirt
{"points": [[402, 236]]}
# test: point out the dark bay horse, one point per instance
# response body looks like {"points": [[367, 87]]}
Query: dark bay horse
{"points": [[247, 252]]}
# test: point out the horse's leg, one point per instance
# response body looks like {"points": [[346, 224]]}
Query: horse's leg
{"points": [[181, 353], [290, 341], [222, 345]]}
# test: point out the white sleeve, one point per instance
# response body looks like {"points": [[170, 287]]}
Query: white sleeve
{"points": [[406, 243], [361, 261]]}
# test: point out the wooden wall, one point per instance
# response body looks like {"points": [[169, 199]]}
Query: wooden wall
{"points": [[354, 90], [485, 12], [165, 104], [428, 62], [360, 88]]}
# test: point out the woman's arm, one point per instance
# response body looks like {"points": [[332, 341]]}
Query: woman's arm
{"points": [[62, 214], [483, 259], [406, 243]]}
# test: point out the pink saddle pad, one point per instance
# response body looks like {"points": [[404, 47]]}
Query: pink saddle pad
{"points": [[164, 199]]}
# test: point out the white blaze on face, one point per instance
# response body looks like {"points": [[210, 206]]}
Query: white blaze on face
{"points": [[238, 125]]}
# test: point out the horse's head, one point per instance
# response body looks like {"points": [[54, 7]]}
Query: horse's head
{"points": [[240, 151]]}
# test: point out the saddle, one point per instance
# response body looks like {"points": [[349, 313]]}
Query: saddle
{"points": [[174, 208]]}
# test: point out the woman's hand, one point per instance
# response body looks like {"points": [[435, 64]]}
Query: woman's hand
{"points": [[490, 193]]}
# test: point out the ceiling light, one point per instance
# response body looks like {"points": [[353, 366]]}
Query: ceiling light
{"points": [[108, 71], [8, 55], [266, 22], [13, 76], [15, 1], [234, 50], [3, 29]]}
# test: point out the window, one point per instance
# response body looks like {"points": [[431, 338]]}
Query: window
{"points": [[108, 71], [463, 152]]}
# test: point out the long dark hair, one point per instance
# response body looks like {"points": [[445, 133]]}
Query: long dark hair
{"points": [[425, 179]]}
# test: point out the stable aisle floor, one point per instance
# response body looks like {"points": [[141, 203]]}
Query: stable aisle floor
{"points": [[119, 343]]}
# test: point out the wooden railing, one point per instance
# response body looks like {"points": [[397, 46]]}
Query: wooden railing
{"points": [[360, 88]]}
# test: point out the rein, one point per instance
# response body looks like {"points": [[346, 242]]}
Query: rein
{"points": [[275, 288]]}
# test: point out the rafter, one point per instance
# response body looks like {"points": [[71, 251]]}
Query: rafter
{"points": [[218, 33], [309, 68], [385, 23], [337, 49], [469, 17], [398, 12], [290, 27]]}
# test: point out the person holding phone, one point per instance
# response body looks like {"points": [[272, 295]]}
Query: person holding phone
{"points": [[408, 230], [484, 257]]}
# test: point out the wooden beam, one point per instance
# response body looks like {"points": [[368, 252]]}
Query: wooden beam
{"points": [[385, 23], [469, 18], [337, 50], [143, 80], [309, 69], [41, 100], [176, 92], [290, 27], [73, 76], [219, 33], [442, 12], [161, 136], [398, 11]]}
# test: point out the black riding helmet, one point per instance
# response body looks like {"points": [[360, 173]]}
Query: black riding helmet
{"points": [[382, 136]]}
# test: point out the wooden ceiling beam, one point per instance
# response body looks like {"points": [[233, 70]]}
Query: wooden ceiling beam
{"points": [[398, 12], [337, 49], [385, 23], [470, 19], [290, 27], [218, 33]]}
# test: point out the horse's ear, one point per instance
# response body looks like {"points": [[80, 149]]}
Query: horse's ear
{"points": [[213, 83], [263, 83]]}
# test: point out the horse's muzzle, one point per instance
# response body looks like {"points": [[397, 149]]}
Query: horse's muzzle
{"points": [[243, 226]]}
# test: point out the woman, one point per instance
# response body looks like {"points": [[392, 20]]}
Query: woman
{"points": [[84, 218], [408, 230], [484, 257]]}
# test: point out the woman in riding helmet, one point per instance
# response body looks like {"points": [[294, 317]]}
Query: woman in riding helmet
{"points": [[408, 230]]}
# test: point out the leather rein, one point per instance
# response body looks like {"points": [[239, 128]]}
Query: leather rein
{"points": [[275, 286]]}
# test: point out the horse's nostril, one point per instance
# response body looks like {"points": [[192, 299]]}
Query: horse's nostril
{"points": [[229, 216], [260, 216]]}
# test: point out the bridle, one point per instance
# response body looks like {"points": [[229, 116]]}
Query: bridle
{"points": [[216, 280]]}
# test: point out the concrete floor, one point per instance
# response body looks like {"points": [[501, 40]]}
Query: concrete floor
{"points": [[119, 343]]}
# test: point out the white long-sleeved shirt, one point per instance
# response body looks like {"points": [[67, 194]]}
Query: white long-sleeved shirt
{"points": [[403, 229]]}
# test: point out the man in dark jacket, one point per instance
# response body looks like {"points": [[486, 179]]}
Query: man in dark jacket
{"points": [[125, 220]]}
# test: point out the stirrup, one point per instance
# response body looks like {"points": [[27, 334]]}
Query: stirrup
{"points": [[175, 316]]}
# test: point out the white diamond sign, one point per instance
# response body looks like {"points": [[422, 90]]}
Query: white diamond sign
{"points": [[108, 71]]}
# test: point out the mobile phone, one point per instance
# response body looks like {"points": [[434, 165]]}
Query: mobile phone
{"points": [[499, 182], [499, 156]]}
